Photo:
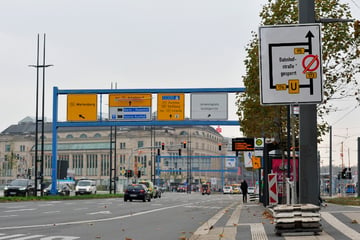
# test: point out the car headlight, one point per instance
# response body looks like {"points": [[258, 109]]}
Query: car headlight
{"points": [[6, 188], [22, 188]]}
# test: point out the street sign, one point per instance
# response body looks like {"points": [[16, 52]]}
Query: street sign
{"points": [[81, 107], [170, 106], [209, 106], [291, 64], [130, 100], [130, 113], [242, 144]]}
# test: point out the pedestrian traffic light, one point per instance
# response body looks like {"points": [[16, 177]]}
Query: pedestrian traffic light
{"points": [[162, 146], [184, 144], [158, 152], [139, 174], [219, 146], [179, 151]]}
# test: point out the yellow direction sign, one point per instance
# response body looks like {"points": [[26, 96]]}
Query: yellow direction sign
{"points": [[81, 107], [170, 106], [130, 100]]}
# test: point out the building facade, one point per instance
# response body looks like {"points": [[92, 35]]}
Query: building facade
{"points": [[100, 152]]}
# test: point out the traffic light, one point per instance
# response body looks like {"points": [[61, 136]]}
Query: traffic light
{"points": [[179, 151], [139, 174], [219, 146], [343, 173], [158, 152], [129, 173], [184, 144], [162, 146]]}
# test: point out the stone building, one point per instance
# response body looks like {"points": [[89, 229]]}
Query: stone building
{"points": [[85, 152]]}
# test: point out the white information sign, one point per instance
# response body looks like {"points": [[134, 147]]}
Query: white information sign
{"points": [[291, 64], [209, 106]]}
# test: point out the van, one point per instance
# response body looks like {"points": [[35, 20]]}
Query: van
{"points": [[149, 185], [85, 187]]}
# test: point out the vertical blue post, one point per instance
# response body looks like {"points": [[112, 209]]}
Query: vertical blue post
{"points": [[222, 173], [158, 170], [53, 190]]}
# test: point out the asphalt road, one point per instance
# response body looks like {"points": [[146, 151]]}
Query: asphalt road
{"points": [[177, 216], [173, 216]]}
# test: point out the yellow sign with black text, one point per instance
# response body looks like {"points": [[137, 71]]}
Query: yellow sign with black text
{"points": [[81, 107], [171, 106]]}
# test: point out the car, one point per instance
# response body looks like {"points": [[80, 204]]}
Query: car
{"points": [[236, 190], [149, 185], [137, 192], [251, 190], [63, 189], [85, 187], [227, 190], [181, 188], [157, 192], [20, 187]]}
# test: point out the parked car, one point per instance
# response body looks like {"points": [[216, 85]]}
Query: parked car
{"points": [[149, 185], [138, 192], [63, 189], [20, 187], [236, 190], [157, 192], [85, 187], [227, 190]]}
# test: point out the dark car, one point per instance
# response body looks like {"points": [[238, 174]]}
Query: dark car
{"points": [[63, 189], [20, 187], [157, 192], [138, 192]]}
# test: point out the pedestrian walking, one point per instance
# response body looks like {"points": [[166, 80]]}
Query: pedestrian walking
{"points": [[244, 190]]}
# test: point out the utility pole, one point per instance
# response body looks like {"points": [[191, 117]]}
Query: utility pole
{"points": [[308, 169]]}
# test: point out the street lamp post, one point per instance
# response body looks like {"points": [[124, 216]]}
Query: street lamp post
{"points": [[37, 66]]}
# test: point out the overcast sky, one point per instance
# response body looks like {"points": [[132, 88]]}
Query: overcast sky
{"points": [[130, 43]]}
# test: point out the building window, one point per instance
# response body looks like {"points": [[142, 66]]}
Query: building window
{"points": [[22, 148], [69, 136], [105, 165], [122, 159], [91, 165], [7, 148], [140, 144], [122, 145], [83, 135], [78, 164], [97, 135], [47, 165]]}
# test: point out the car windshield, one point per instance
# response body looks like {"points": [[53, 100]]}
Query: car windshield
{"points": [[135, 187], [84, 183], [19, 182], [145, 183]]}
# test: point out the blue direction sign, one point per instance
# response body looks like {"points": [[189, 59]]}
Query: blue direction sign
{"points": [[130, 113]]}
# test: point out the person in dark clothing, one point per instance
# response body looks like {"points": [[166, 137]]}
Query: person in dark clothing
{"points": [[244, 190]]}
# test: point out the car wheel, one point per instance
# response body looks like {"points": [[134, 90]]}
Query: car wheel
{"points": [[130, 199], [149, 199], [125, 200]]}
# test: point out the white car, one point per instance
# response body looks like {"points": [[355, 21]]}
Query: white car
{"points": [[85, 187], [228, 190], [251, 190]]}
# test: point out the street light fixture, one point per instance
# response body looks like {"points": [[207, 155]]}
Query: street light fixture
{"points": [[37, 66]]}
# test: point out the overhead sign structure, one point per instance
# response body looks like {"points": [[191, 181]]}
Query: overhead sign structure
{"points": [[170, 106], [81, 107], [130, 100], [291, 64], [209, 106]]}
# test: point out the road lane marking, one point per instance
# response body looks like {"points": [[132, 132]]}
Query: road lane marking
{"points": [[343, 228], [94, 220], [21, 210], [235, 216]]}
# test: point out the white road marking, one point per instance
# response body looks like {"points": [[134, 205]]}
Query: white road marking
{"points": [[21, 210], [235, 216], [101, 212], [347, 231]]}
